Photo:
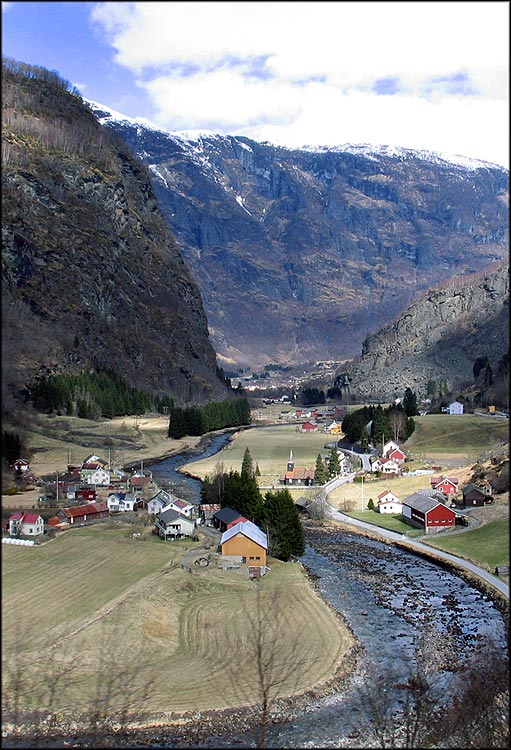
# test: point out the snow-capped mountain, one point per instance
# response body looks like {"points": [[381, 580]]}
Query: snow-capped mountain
{"points": [[299, 253]]}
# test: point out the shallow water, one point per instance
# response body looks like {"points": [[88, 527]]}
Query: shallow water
{"points": [[395, 602]]}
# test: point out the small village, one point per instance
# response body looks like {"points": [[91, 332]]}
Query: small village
{"points": [[94, 491]]}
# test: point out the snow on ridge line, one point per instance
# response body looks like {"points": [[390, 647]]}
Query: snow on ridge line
{"points": [[361, 149], [372, 152]]}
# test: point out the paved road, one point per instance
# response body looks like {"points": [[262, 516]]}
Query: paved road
{"points": [[488, 577]]}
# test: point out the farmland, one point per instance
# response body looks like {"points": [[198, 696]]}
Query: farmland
{"points": [[178, 638]]}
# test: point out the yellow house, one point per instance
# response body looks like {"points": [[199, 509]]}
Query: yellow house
{"points": [[336, 429], [246, 540]]}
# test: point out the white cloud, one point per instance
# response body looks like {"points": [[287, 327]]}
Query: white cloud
{"points": [[307, 71]]}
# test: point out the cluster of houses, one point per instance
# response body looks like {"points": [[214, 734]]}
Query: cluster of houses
{"points": [[241, 541], [427, 508]]}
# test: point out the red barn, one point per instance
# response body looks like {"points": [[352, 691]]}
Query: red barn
{"points": [[84, 513], [423, 512]]}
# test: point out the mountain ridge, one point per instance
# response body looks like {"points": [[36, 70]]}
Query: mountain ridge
{"points": [[92, 275], [299, 255]]}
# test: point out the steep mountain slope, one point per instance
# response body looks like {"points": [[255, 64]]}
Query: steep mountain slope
{"points": [[299, 254], [91, 271], [440, 337]]}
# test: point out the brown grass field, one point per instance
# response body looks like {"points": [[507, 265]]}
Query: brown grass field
{"points": [[107, 604], [119, 612]]}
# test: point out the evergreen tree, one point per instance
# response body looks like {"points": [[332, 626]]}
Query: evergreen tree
{"points": [[247, 468], [320, 474], [380, 429], [410, 403], [334, 467], [283, 525], [364, 439]]}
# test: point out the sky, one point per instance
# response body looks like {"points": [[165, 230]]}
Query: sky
{"points": [[432, 76]]}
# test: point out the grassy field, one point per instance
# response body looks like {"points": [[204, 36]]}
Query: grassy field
{"points": [[269, 448], [142, 624], [487, 545], [463, 436]]}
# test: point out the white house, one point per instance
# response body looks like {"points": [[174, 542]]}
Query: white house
{"points": [[158, 502], [120, 502], [172, 525], [26, 524], [94, 473], [385, 466], [181, 506], [389, 503], [455, 408]]}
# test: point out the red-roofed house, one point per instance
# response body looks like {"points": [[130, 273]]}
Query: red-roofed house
{"points": [[309, 427], [297, 475], [446, 485], [21, 465], [26, 524], [389, 503], [84, 513], [397, 455]]}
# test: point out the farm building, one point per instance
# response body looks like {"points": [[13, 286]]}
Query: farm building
{"points": [[26, 524], [84, 513], [170, 524], [21, 465], [474, 496], [246, 540], [309, 427], [424, 512], [227, 517]]}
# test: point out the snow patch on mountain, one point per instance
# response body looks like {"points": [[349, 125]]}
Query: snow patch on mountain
{"points": [[196, 141]]}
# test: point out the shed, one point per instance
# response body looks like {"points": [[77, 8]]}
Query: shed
{"points": [[225, 517]]}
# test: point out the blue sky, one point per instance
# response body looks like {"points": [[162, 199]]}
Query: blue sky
{"points": [[425, 75]]}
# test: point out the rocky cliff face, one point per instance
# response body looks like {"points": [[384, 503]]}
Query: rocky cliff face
{"points": [[91, 271], [439, 337], [299, 254]]}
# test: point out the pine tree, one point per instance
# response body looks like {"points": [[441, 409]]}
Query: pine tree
{"points": [[334, 467], [282, 522], [320, 474], [247, 468]]}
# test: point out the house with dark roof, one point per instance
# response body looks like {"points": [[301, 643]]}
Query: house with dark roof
{"points": [[476, 497], [226, 517], [170, 524], [426, 513]]}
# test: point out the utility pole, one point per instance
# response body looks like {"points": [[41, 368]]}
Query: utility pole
{"points": [[362, 493]]}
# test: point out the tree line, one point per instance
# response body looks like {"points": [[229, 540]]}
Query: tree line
{"points": [[395, 422], [197, 420], [92, 395], [275, 513]]}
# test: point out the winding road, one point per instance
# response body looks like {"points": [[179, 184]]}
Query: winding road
{"points": [[420, 546]]}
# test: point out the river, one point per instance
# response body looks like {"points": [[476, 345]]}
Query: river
{"points": [[409, 614]]}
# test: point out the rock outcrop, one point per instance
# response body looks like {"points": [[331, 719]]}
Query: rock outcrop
{"points": [[439, 338], [92, 275]]}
